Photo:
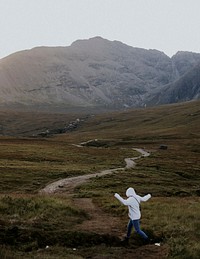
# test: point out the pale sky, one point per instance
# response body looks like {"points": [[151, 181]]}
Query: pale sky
{"points": [[165, 25]]}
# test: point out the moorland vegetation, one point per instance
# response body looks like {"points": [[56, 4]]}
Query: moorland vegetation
{"points": [[35, 225]]}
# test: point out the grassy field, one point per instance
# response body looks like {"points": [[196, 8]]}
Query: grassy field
{"points": [[30, 221]]}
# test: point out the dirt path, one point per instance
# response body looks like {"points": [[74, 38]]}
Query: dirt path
{"points": [[70, 183], [101, 222]]}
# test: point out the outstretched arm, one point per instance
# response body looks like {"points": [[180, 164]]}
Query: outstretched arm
{"points": [[117, 196], [145, 198]]}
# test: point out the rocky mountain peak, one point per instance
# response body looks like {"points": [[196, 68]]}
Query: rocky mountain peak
{"points": [[90, 73]]}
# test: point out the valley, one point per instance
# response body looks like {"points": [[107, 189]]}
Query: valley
{"points": [[86, 221]]}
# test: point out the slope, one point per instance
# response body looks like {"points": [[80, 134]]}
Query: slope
{"points": [[184, 89], [89, 73]]}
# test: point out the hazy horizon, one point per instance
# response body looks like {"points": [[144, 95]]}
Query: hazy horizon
{"points": [[168, 26]]}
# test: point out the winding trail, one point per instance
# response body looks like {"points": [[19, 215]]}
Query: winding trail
{"points": [[70, 183], [100, 221]]}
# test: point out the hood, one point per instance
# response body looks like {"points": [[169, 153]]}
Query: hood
{"points": [[130, 192]]}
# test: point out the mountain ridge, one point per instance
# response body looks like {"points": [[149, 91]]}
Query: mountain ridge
{"points": [[184, 89], [90, 73]]}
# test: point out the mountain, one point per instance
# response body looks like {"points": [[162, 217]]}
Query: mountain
{"points": [[185, 89], [184, 61], [89, 73]]}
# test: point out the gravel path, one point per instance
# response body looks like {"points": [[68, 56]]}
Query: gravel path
{"points": [[70, 183]]}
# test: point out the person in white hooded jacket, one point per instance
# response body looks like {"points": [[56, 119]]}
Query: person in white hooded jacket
{"points": [[133, 203]]}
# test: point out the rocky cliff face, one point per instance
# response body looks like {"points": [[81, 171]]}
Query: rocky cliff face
{"points": [[184, 89], [184, 61], [89, 73]]}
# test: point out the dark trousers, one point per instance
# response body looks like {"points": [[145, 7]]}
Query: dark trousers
{"points": [[136, 225]]}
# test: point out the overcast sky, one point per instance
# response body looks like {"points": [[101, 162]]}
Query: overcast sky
{"points": [[166, 25]]}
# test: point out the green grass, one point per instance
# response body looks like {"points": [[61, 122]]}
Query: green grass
{"points": [[173, 211], [48, 212], [27, 165], [174, 219], [29, 221], [179, 223]]}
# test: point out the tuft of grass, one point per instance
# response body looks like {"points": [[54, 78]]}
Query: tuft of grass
{"points": [[51, 212], [178, 221]]}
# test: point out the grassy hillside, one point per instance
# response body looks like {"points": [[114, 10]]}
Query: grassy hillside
{"points": [[30, 221]]}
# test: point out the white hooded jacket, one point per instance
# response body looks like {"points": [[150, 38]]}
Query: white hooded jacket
{"points": [[133, 202]]}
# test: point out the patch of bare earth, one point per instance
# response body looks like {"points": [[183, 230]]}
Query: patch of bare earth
{"points": [[101, 222]]}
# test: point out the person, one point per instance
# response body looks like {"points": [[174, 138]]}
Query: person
{"points": [[133, 203]]}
